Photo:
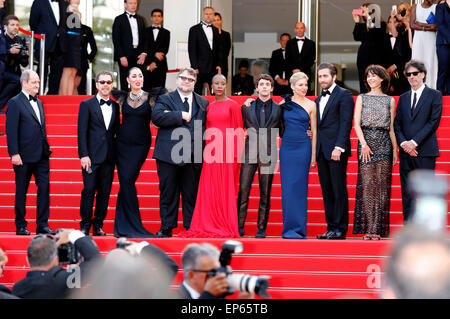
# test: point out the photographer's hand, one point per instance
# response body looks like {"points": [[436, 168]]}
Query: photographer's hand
{"points": [[217, 285], [63, 237]]}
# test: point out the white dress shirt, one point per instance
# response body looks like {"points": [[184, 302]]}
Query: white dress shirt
{"points": [[155, 32], [300, 44], [106, 111], [35, 106], [189, 97], [55, 9], [418, 92], [134, 29], [209, 33]]}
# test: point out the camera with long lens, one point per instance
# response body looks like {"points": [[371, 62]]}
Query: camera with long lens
{"points": [[20, 45], [68, 254], [241, 282]]}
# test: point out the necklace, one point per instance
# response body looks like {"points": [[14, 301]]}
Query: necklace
{"points": [[136, 97]]}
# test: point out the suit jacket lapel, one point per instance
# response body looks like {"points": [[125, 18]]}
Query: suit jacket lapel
{"points": [[49, 9], [98, 111], [29, 107], [273, 113], [205, 38], [330, 102], [113, 115], [420, 102], [253, 114]]}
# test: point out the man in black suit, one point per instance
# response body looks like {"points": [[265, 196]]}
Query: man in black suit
{"points": [[157, 41], [261, 119], [197, 261], [334, 123], [2, 46], [182, 114], [29, 150], [45, 18], [300, 53], [224, 44], [204, 50], [128, 35], [47, 280], [418, 115], [98, 121], [278, 67]]}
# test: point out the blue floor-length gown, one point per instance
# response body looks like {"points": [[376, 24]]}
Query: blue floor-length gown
{"points": [[295, 160]]}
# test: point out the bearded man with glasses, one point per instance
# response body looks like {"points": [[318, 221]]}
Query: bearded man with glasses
{"points": [[416, 122]]}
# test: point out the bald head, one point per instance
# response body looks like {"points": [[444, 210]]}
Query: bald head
{"points": [[300, 29]]}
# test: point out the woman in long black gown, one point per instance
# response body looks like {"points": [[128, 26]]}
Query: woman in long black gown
{"points": [[133, 144]]}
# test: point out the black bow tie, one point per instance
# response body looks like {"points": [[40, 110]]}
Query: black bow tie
{"points": [[132, 15], [102, 101], [324, 93], [153, 27], [207, 25], [300, 39], [55, 0], [32, 98]]}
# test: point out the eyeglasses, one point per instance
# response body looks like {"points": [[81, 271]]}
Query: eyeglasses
{"points": [[185, 78], [415, 73], [105, 82], [211, 272]]}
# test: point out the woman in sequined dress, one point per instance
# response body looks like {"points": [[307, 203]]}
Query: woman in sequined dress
{"points": [[377, 152]]}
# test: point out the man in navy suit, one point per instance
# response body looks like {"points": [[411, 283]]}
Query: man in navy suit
{"points": [[418, 115], [181, 118], [128, 34], [157, 41], [45, 18], [29, 151], [204, 50], [334, 123], [443, 47], [98, 122]]}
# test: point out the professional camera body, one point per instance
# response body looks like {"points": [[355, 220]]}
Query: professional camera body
{"points": [[68, 254], [241, 282], [21, 44]]}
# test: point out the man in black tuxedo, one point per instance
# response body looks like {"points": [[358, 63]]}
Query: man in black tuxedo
{"points": [[29, 150], [261, 119], [418, 115], [47, 280], [98, 122], [128, 35], [45, 18], [300, 53], [197, 261], [204, 50], [224, 44], [278, 67], [157, 41], [334, 123], [182, 114]]}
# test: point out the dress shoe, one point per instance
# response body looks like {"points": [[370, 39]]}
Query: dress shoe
{"points": [[22, 231], [241, 232], [164, 234], [98, 232], [260, 234], [336, 235], [85, 230], [46, 230], [325, 235]]}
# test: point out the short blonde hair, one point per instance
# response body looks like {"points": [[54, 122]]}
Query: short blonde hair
{"points": [[297, 76], [3, 257]]}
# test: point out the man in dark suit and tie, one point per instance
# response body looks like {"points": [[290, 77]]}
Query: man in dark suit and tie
{"points": [[334, 123], [278, 67], [2, 46], [181, 118], [45, 18], [261, 119], [46, 279], [128, 35], [98, 122], [300, 52], [29, 150], [204, 50], [157, 41], [417, 119]]}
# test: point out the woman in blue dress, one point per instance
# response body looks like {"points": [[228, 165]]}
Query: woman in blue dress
{"points": [[297, 155]]}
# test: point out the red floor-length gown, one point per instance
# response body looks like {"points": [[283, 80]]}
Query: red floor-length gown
{"points": [[215, 213]]}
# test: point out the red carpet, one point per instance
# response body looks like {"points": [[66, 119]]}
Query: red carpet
{"points": [[299, 269]]}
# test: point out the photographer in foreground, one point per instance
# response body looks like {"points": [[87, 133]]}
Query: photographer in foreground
{"points": [[17, 56], [46, 279], [198, 261]]}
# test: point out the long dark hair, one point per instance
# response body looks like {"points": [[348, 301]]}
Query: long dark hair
{"points": [[380, 72]]}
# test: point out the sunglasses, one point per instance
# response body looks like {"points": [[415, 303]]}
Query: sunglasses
{"points": [[415, 73], [105, 82], [211, 272], [185, 78]]}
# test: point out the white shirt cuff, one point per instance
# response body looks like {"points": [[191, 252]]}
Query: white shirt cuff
{"points": [[141, 246], [414, 142], [75, 235], [340, 148]]}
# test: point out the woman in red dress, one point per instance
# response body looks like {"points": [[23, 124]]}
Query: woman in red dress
{"points": [[215, 213]]}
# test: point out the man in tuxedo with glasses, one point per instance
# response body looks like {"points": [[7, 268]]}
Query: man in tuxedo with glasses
{"points": [[418, 115], [98, 122]]}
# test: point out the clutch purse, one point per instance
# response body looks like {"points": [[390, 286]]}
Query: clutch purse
{"points": [[431, 18]]}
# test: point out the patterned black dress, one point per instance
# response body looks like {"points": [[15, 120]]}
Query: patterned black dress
{"points": [[373, 189]]}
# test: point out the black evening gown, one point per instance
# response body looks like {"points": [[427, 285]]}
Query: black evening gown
{"points": [[133, 144]]}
